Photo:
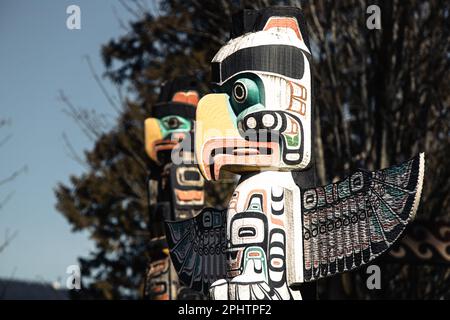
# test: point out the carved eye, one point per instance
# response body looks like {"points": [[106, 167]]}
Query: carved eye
{"points": [[173, 123], [245, 93], [247, 231], [239, 92]]}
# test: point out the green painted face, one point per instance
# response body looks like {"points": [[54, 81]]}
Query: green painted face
{"points": [[247, 96], [173, 124]]}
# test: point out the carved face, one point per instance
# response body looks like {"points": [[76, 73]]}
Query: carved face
{"points": [[187, 189], [248, 240], [260, 117], [260, 218], [172, 122], [160, 284]]}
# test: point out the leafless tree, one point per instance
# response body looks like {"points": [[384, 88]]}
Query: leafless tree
{"points": [[9, 236]]}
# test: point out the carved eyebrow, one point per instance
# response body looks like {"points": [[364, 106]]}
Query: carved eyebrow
{"points": [[281, 59], [165, 109]]}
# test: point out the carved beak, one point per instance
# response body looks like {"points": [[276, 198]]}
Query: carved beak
{"points": [[155, 142], [152, 135], [218, 144]]}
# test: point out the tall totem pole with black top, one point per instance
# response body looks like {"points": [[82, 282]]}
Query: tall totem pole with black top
{"points": [[280, 229], [176, 187]]}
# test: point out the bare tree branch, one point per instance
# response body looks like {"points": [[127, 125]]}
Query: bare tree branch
{"points": [[14, 175], [72, 153], [8, 239], [101, 86]]}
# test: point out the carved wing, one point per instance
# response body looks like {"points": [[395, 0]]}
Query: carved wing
{"points": [[197, 248], [351, 222]]}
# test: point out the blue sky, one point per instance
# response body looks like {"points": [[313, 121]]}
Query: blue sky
{"points": [[38, 57]]}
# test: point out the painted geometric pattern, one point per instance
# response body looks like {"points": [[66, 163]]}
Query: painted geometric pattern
{"points": [[349, 223], [197, 248]]}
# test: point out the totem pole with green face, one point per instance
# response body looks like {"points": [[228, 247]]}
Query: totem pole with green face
{"points": [[280, 229], [177, 182]]}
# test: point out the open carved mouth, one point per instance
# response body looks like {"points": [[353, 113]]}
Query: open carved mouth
{"points": [[165, 144], [247, 232], [190, 196], [241, 151], [238, 153]]}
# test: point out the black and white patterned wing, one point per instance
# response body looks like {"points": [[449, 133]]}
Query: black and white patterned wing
{"points": [[351, 222], [197, 248]]}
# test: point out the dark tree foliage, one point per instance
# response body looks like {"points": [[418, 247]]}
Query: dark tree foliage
{"points": [[381, 96]]}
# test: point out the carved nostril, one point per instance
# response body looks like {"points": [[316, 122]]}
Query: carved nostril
{"points": [[251, 123], [268, 120]]}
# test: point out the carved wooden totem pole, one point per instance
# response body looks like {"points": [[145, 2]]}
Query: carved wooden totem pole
{"points": [[280, 229], [179, 190]]}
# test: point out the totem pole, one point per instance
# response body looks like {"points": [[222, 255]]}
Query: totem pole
{"points": [[179, 190], [280, 229]]}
